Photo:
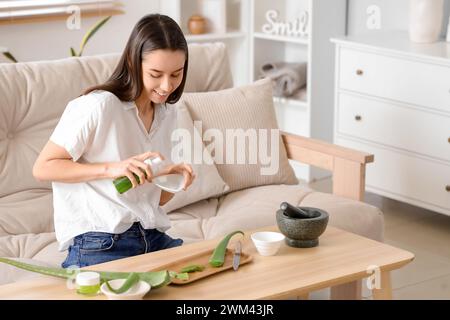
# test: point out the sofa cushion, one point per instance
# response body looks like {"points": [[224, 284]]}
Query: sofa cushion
{"points": [[29, 211], [25, 245], [40, 249], [9, 274], [256, 207], [251, 208], [207, 182], [240, 111], [188, 222], [349, 215], [217, 76], [33, 97]]}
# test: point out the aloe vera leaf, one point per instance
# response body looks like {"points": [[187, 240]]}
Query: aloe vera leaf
{"points": [[55, 272], [132, 279], [91, 32], [156, 279], [9, 56], [217, 258], [192, 268], [182, 276]]}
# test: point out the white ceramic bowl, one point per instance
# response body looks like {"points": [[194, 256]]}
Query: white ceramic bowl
{"points": [[136, 292], [267, 243]]}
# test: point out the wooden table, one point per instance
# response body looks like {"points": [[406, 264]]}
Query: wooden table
{"points": [[342, 259]]}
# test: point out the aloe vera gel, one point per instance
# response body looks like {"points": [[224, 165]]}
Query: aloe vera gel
{"points": [[88, 283], [123, 184]]}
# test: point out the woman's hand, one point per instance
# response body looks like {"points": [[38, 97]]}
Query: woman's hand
{"points": [[134, 165], [185, 170]]}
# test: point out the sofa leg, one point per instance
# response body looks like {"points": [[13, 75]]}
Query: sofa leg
{"points": [[347, 291]]}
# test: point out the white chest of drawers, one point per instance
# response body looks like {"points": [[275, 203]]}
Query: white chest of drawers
{"points": [[393, 100]]}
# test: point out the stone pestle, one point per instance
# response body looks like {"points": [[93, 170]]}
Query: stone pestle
{"points": [[296, 212]]}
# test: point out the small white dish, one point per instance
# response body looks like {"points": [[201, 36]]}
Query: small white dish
{"points": [[267, 243], [136, 292], [170, 182]]}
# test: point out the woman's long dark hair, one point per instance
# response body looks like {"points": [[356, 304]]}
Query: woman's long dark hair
{"points": [[152, 32]]}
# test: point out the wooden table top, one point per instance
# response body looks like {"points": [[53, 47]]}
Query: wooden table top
{"points": [[341, 257]]}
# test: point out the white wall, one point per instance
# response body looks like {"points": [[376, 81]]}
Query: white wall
{"points": [[52, 40], [394, 15]]}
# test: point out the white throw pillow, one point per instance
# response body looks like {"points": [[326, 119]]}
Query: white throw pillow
{"points": [[207, 183]]}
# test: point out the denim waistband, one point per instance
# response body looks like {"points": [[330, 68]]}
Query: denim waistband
{"points": [[136, 230], [135, 227]]}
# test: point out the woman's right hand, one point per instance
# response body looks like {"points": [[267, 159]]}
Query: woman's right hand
{"points": [[134, 165]]}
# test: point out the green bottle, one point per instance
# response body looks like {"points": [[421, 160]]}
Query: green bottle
{"points": [[123, 184]]}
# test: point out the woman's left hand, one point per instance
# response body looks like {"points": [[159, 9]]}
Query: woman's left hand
{"points": [[185, 170]]}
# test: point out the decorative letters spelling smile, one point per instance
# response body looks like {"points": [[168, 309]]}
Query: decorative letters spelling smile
{"points": [[296, 28]]}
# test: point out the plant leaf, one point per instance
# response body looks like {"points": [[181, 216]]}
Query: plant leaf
{"points": [[91, 32], [182, 276], [9, 56], [132, 279], [73, 52]]}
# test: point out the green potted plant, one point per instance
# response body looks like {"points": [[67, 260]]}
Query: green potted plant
{"points": [[89, 34]]}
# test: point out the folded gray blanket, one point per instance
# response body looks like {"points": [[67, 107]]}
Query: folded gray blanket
{"points": [[287, 78]]}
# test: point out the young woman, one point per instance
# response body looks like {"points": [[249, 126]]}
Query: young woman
{"points": [[107, 133]]}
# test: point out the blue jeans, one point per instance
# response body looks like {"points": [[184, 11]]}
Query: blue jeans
{"points": [[98, 247]]}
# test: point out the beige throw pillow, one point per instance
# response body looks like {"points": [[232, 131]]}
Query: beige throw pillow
{"points": [[229, 115], [207, 183]]}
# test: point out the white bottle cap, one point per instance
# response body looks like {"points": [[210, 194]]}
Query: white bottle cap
{"points": [[88, 278], [154, 161]]}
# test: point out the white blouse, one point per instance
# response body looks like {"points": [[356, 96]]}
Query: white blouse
{"points": [[96, 128]]}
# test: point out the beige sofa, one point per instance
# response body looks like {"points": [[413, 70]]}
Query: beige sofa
{"points": [[33, 97]]}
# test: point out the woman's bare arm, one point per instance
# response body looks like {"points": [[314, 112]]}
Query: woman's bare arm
{"points": [[54, 163]]}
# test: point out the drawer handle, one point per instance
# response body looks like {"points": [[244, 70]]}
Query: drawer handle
{"points": [[359, 72], [358, 118], [447, 188], [448, 139]]}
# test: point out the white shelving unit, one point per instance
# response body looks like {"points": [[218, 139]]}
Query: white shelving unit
{"points": [[227, 22], [312, 116], [249, 47], [285, 39]]}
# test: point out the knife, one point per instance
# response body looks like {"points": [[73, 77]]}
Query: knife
{"points": [[237, 255]]}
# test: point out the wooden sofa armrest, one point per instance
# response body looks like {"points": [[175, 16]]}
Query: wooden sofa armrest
{"points": [[348, 166]]}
